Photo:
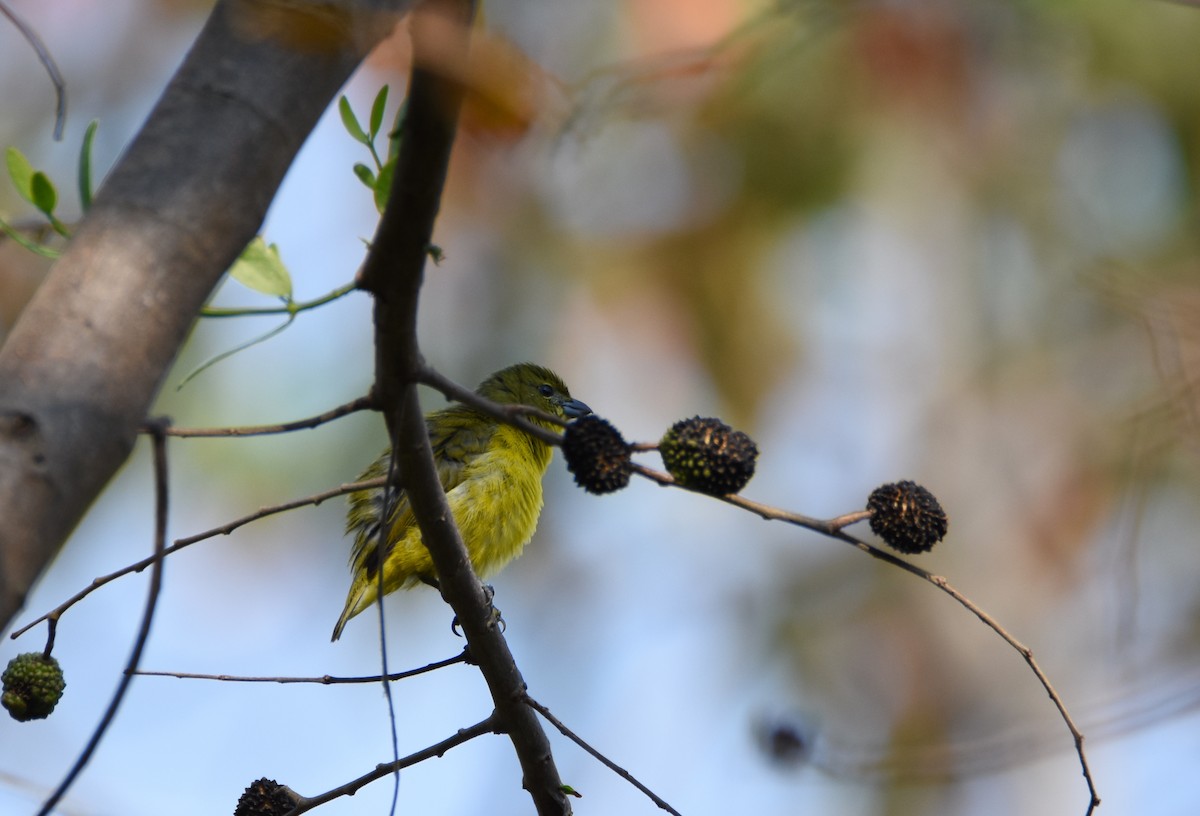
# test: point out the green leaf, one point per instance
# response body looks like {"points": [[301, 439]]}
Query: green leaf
{"points": [[260, 268], [436, 254], [377, 111], [43, 194], [383, 185], [85, 165], [21, 172], [350, 122], [365, 174]]}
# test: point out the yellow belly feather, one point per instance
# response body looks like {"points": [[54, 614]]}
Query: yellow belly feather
{"points": [[495, 507]]}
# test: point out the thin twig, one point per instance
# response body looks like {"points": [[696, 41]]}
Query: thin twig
{"points": [[391, 495], [1027, 653], [290, 308], [512, 414], [43, 55], [161, 496], [612, 766], [833, 528], [51, 632], [307, 803], [179, 544], [324, 680], [360, 404], [846, 519]]}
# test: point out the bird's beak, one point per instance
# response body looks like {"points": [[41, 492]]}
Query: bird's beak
{"points": [[574, 408]]}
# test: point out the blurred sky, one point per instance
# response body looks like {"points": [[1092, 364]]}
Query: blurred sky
{"points": [[950, 242]]}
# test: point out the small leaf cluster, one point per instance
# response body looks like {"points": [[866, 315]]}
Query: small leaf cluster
{"points": [[32, 185], [36, 187], [258, 268], [379, 178], [31, 686]]}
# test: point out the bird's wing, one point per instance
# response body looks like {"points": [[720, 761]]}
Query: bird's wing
{"points": [[366, 510], [457, 435]]}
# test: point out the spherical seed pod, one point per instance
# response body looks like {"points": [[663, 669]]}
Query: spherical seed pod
{"points": [[705, 454], [907, 517], [31, 686], [597, 454], [264, 797]]}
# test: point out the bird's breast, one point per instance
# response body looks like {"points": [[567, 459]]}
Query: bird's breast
{"points": [[498, 503]]}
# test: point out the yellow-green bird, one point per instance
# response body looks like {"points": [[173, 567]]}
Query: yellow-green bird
{"points": [[492, 475]]}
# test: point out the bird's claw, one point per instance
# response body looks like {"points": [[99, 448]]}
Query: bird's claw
{"points": [[489, 592]]}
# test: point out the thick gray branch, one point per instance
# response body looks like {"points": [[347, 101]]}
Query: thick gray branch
{"points": [[82, 366]]}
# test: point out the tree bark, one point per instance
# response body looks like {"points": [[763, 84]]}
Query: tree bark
{"points": [[83, 364]]}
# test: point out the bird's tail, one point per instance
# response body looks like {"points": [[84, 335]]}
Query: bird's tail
{"points": [[362, 593], [341, 624]]}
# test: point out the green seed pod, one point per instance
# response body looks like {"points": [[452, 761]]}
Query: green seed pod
{"points": [[706, 455], [32, 685]]}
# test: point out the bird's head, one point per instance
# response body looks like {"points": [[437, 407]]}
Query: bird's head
{"points": [[535, 386]]}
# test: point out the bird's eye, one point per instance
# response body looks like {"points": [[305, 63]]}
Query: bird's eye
{"points": [[545, 390]]}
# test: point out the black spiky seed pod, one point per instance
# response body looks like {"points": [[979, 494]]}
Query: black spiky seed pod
{"points": [[32, 685], [705, 454], [907, 517], [265, 797], [597, 454]]}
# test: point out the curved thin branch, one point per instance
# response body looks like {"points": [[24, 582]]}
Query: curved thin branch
{"points": [[47, 61], [161, 496], [307, 803], [834, 529], [608, 763], [225, 529], [512, 414], [360, 404], [324, 680]]}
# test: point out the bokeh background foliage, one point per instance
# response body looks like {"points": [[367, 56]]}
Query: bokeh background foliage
{"points": [[947, 241]]}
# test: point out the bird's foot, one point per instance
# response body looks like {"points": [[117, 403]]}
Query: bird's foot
{"points": [[489, 592]]}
